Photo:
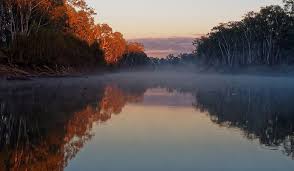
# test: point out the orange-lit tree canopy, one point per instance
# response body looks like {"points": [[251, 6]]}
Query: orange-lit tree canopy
{"points": [[135, 47], [69, 17]]}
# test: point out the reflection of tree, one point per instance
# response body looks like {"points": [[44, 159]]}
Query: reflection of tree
{"points": [[39, 128], [263, 113], [23, 145], [78, 129], [44, 130], [115, 99]]}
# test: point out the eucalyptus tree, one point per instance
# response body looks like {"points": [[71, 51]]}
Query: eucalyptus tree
{"points": [[25, 15], [3, 23], [260, 38], [289, 6]]}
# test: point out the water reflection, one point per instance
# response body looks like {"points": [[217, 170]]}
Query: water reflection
{"points": [[115, 98], [261, 113], [43, 127]]}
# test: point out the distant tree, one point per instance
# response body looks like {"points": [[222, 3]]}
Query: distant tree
{"points": [[134, 47], [134, 56]]}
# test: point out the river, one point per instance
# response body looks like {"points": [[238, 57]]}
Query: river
{"points": [[148, 121]]}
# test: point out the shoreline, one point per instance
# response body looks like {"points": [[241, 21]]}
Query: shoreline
{"points": [[11, 73]]}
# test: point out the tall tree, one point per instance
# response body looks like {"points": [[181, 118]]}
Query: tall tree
{"points": [[261, 38], [289, 6], [25, 15], [112, 43]]}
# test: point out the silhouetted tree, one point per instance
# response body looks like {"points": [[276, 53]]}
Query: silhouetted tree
{"points": [[262, 38]]}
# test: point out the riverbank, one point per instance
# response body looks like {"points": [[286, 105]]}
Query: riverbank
{"points": [[13, 72]]}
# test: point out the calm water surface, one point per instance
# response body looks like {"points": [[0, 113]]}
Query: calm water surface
{"points": [[127, 123]]}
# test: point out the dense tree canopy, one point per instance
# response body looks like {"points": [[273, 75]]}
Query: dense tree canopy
{"points": [[57, 32]]}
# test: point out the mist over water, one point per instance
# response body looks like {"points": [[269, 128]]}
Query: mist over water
{"points": [[212, 91], [152, 120]]}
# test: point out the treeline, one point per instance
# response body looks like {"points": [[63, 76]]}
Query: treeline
{"points": [[175, 60], [264, 38], [58, 33], [63, 33], [135, 61], [260, 38]]}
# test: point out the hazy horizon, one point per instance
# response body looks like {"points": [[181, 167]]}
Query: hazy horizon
{"points": [[161, 47]]}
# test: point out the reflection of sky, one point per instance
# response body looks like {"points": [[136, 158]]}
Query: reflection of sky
{"points": [[166, 18], [157, 137], [160, 97]]}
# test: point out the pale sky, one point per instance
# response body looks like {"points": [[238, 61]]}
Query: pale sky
{"points": [[170, 18]]}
